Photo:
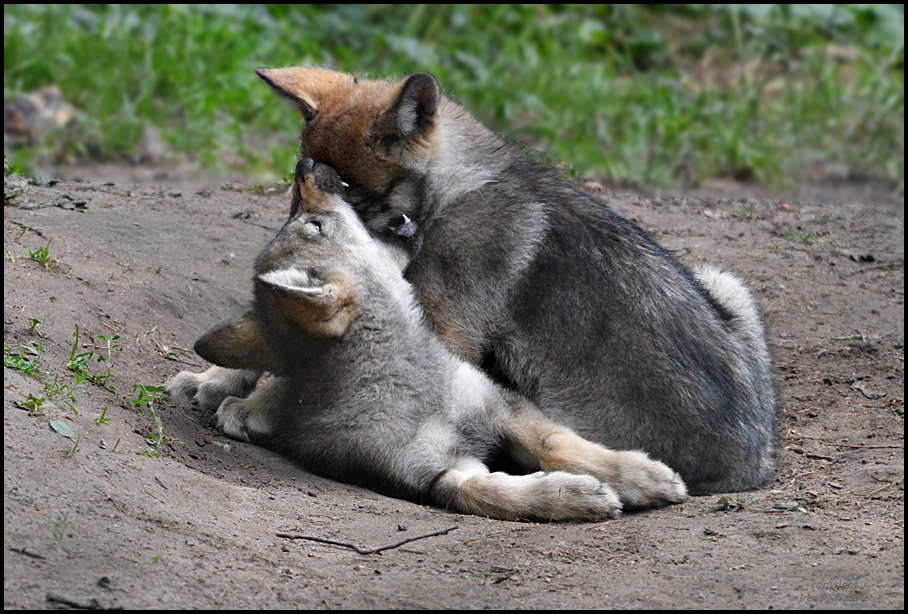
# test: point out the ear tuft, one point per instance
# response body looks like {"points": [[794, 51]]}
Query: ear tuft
{"points": [[288, 82], [323, 308], [417, 105], [288, 279]]}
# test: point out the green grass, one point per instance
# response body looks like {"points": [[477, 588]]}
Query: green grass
{"points": [[56, 390], [80, 362], [24, 358], [147, 396], [42, 255], [648, 94], [799, 235]]}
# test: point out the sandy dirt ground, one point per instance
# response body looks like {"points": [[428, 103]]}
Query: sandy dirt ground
{"points": [[93, 519]]}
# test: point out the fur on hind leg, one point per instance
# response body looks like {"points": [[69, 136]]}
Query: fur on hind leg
{"points": [[638, 480], [468, 487]]}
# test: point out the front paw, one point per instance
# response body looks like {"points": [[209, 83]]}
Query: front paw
{"points": [[235, 419], [205, 391], [644, 482]]}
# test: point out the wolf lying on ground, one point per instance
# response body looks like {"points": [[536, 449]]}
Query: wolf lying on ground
{"points": [[363, 391], [546, 288]]}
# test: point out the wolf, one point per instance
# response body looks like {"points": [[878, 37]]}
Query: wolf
{"points": [[544, 286], [362, 390]]}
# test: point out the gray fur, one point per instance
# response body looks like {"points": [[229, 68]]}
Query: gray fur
{"points": [[576, 308], [383, 403]]}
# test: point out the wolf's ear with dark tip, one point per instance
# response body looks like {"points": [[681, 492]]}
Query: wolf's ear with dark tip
{"points": [[236, 344], [288, 82], [416, 106]]}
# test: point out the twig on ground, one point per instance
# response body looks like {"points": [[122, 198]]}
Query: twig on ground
{"points": [[27, 553], [85, 604], [860, 447], [359, 549]]}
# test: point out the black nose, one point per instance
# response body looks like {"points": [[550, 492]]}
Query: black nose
{"points": [[305, 167]]}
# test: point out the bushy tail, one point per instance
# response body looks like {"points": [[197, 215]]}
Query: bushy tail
{"points": [[731, 293], [746, 327]]}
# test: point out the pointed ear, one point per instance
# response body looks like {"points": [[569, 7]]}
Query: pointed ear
{"points": [[322, 307], [307, 87], [416, 107], [236, 344]]}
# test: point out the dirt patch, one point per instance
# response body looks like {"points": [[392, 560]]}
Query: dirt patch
{"points": [[94, 520]]}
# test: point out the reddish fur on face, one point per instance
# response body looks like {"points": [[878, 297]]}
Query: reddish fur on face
{"points": [[342, 112], [312, 198]]}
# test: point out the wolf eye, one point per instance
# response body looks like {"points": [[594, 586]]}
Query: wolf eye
{"points": [[312, 226]]}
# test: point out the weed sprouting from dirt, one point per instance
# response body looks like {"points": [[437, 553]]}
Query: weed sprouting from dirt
{"points": [[799, 235], [147, 396], [24, 358], [73, 450], [102, 419], [56, 390], [35, 326], [79, 364], [42, 255]]}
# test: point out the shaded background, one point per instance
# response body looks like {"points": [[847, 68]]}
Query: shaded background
{"points": [[629, 94]]}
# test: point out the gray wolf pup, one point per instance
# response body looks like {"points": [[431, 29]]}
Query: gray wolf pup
{"points": [[544, 286], [363, 391]]}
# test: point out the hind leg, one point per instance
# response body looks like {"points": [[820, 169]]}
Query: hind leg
{"points": [[208, 389], [638, 480], [468, 487]]}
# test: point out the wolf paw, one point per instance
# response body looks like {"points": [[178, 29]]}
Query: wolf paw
{"points": [[237, 420], [644, 482], [205, 391], [578, 497]]}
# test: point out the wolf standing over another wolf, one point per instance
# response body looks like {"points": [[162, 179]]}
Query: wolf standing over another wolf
{"points": [[363, 391], [544, 286]]}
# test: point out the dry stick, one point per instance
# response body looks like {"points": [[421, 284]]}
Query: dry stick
{"points": [[856, 446], [80, 604], [826, 442], [35, 555], [358, 549]]}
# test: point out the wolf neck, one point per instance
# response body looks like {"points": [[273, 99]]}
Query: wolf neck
{"points": [[465, 157]]}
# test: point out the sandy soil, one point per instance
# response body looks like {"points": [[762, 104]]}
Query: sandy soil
{"points": [[94, 521]]}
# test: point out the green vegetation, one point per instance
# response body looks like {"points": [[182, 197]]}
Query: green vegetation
{"points": [[42, 255], [61, 390], [652, 94], [79, 364], [800, 235], [24, 358], [147, 396], [102, 419]]}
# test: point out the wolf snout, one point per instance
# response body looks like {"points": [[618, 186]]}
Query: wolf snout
{"points": [[305, 168]]}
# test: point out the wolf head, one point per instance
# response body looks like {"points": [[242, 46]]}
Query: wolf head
{"points": [[397, 143], [351, 123], [309, 280]]}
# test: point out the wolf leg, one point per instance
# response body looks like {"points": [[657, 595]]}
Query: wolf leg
{"points": [[206, 390], [251, 419], [638, 480], [468, 487]]}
